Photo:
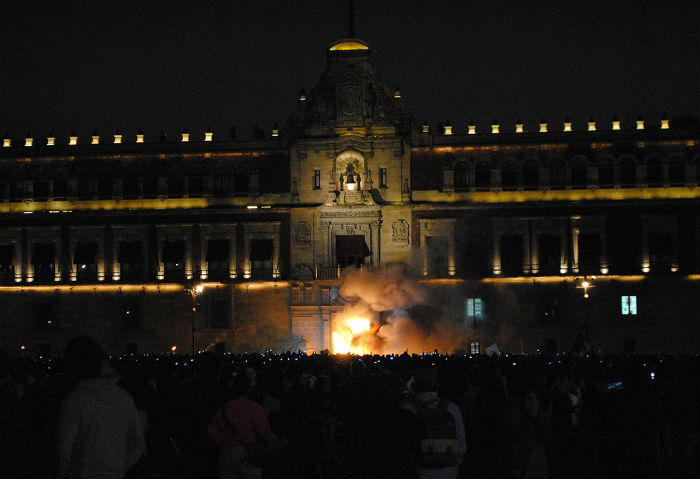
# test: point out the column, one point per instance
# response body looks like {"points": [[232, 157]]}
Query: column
{"points": [[575, 232], [116, 266], [563, 267], [18, 259], [497, 252], [30, 265], [101, 258], [203, 245], [603, 251], [189, 274], [71, 258], [526, 249], [232, 254], [276, 255], [57, 260], [646, 264], [534, 253], [451, 268], [674, 248], [159, 255], [375, 232]]}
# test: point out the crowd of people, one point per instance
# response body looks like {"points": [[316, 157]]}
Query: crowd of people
{"points": [[343, 416]]}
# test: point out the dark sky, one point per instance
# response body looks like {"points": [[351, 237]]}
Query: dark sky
{"points": [[130, 65]]}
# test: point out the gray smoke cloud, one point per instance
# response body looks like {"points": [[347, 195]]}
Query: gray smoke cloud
{"points": [[369, 292]]}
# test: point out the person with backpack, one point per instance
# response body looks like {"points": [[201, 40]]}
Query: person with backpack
{"points": [[442, 437], [242, 432]]}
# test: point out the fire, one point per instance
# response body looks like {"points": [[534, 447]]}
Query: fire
{"points": [[347, 334]]}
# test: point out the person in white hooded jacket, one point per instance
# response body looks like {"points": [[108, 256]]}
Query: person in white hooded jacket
{"points": [[99, 433]]}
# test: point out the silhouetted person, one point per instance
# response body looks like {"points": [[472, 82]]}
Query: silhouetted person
{"points": [[99, 434]]}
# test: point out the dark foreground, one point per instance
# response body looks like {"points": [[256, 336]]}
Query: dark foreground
{"points": [[525, 416]]}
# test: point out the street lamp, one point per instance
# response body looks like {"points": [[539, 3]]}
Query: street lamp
{"points": [[194, 290], [585, 284]]}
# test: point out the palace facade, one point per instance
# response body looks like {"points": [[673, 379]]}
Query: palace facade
{"points": [[529, 237]]}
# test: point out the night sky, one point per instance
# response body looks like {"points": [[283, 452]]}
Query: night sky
{"points": [[173, 65]]}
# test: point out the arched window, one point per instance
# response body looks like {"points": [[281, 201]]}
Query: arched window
{"points": [[655, 173], [557, 174], [461, 175], [628, 173], [482, 175], [241, 184], [676, 171], [579, 173], [509, 175], [531, 173], [606, 173]]}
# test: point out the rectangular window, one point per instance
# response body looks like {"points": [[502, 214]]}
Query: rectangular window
{"points": [[629, 305], [474, 347], [474, 308], [382, 177], [317, 179]]}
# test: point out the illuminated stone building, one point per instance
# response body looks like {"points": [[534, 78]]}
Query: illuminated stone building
{"points": [[109, 235]]}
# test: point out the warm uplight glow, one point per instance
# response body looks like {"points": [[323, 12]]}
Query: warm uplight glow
{"points": [[51, 141], [616, 124], [448, 129], [139, 138], [73, 140], [346, 333], [22, 347], [471, 130], [640, 124], [185, 137], [349, 45], [585, 284], [252, 207], [199, 288], [519, 128], [543, 128], [173, 348], [664, 125], [591, 126], [28, 141], [117, 139], [95, 140], [495, 129], [275, 132], [208, 136], [6, 142], [567, 126]]}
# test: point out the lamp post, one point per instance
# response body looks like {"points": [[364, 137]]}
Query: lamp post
{"points": [[194, 290], [585, 284]]}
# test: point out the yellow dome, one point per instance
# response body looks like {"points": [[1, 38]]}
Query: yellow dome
{"points": [[345, 45]]}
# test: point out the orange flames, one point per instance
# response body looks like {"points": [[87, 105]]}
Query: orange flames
{"points": [[354, 335]]}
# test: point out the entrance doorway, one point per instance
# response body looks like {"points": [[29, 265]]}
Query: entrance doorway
{"points": [[350, 250]]}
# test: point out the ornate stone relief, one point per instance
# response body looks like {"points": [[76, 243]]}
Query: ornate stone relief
{"points": [[302, 234], [400, 233]]}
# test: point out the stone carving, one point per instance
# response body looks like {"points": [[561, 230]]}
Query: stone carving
{"points": [[302, 234], [341, 212], [350, 100], [400, 233]]}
